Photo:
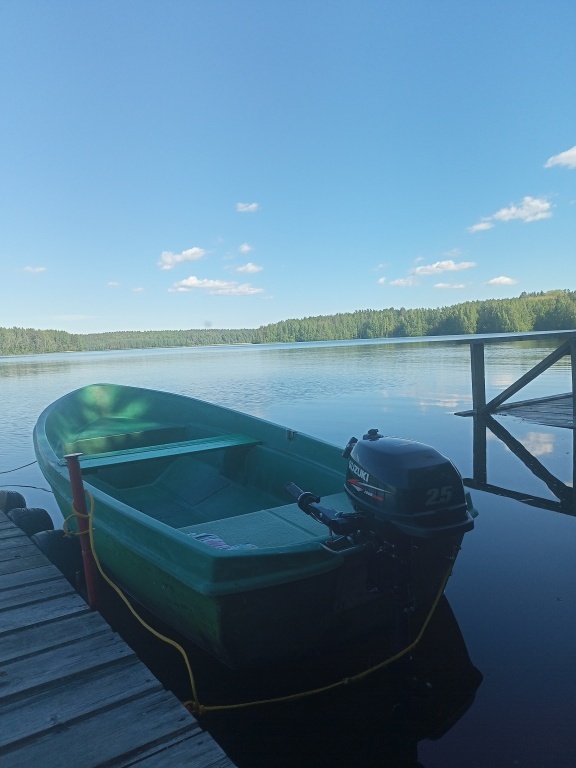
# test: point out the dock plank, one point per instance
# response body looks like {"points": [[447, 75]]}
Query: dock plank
{"points": [[71, 691], [105, 737], [29, 641], [57, 665], [41, 613], [13, 562], [43, 590], [15, 546], [9, 532], [207, 754], [29, 576], [554, 411], [77, 698]]}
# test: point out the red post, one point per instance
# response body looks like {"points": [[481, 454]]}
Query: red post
{"points": [[79, 503]]}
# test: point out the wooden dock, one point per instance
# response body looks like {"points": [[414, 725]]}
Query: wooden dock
{"points": [[553, 411], [566, 347], [72, 693]]}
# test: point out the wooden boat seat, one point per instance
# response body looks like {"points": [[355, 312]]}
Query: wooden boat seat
{"points": [[277, 527], [128, 455]]}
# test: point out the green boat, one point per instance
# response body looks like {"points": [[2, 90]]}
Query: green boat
{"points": [[200, 516]]}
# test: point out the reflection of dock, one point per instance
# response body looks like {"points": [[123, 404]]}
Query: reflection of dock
{"points": [[564, 493]]}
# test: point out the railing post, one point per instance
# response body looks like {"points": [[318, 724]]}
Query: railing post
{"points": [[79, 503], [478, 376]]}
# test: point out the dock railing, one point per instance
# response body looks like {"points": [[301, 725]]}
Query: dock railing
{"points": [[482, 413], [477, 365]]}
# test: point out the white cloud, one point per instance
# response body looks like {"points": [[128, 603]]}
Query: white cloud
{"points": [[443, 266], [247, 207], [530, 209], [483, 225], [567, 159], [168, 260], [403, 282], [381, 281], [245, 248], [502, 281], [35, 270], [215, 287], [137, 290], [113, 283], [456, 286], [249, 268]]}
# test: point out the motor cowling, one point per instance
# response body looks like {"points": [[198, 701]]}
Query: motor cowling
{"points": [[393, 481]]}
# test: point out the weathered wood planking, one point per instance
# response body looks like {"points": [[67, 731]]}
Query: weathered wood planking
{"points": [[554, 411], [72, 693]]}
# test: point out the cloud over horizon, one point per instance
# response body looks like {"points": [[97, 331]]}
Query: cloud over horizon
{"points": [[530, 209], [168, 260], [215, 287], [502, 280], [448, 265]]}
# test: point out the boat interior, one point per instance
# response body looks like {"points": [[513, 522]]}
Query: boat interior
{"points": [[232, 486]]}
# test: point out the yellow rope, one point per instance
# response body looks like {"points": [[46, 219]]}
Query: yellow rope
{"points": [[345, 680], [116, 588], [194, 705]]}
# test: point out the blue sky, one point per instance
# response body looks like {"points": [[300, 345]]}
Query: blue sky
{"points": [[230, 163]]}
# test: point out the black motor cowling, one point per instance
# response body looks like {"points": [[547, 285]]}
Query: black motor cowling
{"points": [[392, 481]]}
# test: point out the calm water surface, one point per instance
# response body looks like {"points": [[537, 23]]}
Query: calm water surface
{"points": [[513, 591]]}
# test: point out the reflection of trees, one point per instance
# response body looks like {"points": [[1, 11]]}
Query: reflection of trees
{"points": [[564, 493]]}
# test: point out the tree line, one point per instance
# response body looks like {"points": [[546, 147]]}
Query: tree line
{"points": [[541, 311]]}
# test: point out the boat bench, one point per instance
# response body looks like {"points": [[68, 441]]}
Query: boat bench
{"points": [[277, 527], [129, 455]]}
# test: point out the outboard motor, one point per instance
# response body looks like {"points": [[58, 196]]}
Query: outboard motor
{"points": [[406, 484], [395, 486], [408, 517]]}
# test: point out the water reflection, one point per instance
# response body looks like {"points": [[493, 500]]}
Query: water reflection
{"points": [[378, 721], [536, 445], [514, 589]]}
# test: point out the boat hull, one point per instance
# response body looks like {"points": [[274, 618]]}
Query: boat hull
{"points": [[280, 587]]}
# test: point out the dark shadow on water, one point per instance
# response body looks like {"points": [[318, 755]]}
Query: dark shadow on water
{"points": [[377, 721]]}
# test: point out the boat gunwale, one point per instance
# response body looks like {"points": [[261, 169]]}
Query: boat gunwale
{"points": [[321, 559]]}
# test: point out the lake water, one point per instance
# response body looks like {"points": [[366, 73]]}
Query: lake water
{"points": [[513, 591]]}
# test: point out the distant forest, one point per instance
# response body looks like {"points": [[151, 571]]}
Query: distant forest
{"points": [[544, 311]]}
